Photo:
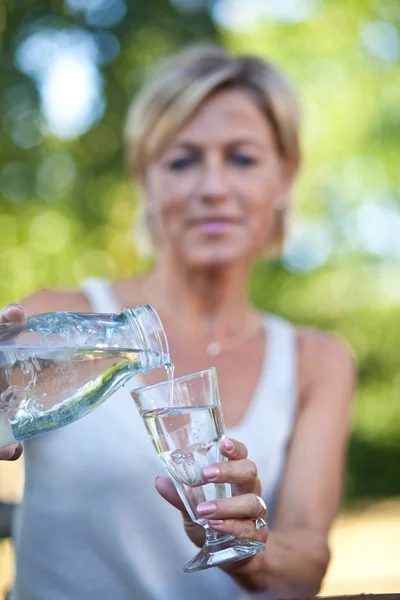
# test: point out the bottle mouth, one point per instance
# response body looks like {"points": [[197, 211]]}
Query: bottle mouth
{"points": [[151, 329]]}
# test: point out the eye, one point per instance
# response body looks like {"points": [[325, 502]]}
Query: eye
{"points": [[242, 159], [181, 163]]}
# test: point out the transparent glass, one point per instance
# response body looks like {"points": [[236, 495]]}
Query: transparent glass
{"points": [[183, 417], [57, 367]]}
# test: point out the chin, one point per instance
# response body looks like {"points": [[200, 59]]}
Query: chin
{"points": [[216, 257]]}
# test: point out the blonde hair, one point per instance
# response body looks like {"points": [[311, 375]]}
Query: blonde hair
{"points": [[182, 82]]}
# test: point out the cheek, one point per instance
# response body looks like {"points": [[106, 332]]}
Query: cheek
{"points": [[261, 214], [260, 204], [263, 224], [165, 206], [172, 194]]}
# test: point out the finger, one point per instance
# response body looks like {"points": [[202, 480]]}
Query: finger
{"points": [[246, 506], [11, 452], [166, 488], [13, 313], [240, 472], [232, 449], [241, 528]]}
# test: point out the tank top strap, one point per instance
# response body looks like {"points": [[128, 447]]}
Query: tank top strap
{"points": [[276, 392], [282, 359], [100, 295]]}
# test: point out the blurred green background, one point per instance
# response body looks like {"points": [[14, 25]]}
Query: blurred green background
{"points": [[68, 208]]}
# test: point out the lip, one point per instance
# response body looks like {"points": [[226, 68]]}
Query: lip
{"points": [[213, 224]]}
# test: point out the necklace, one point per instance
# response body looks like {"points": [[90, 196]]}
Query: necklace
{"points": [[215, 348]]}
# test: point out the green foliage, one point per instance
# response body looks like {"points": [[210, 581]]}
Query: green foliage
{"points": [[67, 206]]}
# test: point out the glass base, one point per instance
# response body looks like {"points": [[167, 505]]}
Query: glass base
{"points": [[222, 551]]}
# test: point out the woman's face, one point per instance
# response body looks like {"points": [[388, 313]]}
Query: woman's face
{"points": [[211, 193]]}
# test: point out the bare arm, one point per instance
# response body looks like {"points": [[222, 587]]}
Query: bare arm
{"points": [[53, 300], [297, 553]]}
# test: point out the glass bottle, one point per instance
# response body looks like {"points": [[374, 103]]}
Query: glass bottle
{"points": [[57, 367]]}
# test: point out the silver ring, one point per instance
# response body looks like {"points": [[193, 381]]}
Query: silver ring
{"points": [[261, 522]]}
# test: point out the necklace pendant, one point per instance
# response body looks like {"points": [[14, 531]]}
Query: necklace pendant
{"points": [[213, 349]]}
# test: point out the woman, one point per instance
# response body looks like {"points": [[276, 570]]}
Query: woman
{"points": [[213, 144]]}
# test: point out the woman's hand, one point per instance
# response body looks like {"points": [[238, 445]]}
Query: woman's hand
{"points": [[10, 314], [236, 515]]}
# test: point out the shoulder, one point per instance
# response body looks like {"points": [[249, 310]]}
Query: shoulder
{"points": [[53, 299], [319, 348], [325, 360], [132, 291]]}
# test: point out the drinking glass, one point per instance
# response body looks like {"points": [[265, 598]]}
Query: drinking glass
{"points": [[184, 420]]}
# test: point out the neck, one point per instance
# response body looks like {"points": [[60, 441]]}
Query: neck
{"points": [[214, 301]]}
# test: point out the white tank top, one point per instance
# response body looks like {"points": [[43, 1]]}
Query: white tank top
{"points": [[91, 524]]}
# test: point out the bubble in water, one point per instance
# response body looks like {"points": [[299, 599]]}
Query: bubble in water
{"points": [[188, 463], [12, 397]]}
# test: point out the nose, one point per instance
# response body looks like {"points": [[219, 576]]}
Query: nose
{"points": [[214, 184]]}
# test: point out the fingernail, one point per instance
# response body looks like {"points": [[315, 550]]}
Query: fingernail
{"points": [[229, 445], [210, 472], [12, 452], [206, 509], [215, 523], [17, 454], [7, 453], [14, 306]]}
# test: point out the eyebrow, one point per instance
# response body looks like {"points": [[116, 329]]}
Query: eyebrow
{"points": [[187, 145]]}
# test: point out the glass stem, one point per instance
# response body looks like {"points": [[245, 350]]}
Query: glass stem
{"points": [[215, 537]]}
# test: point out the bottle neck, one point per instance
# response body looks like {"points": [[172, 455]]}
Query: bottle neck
{"points": [[149, 336]]}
